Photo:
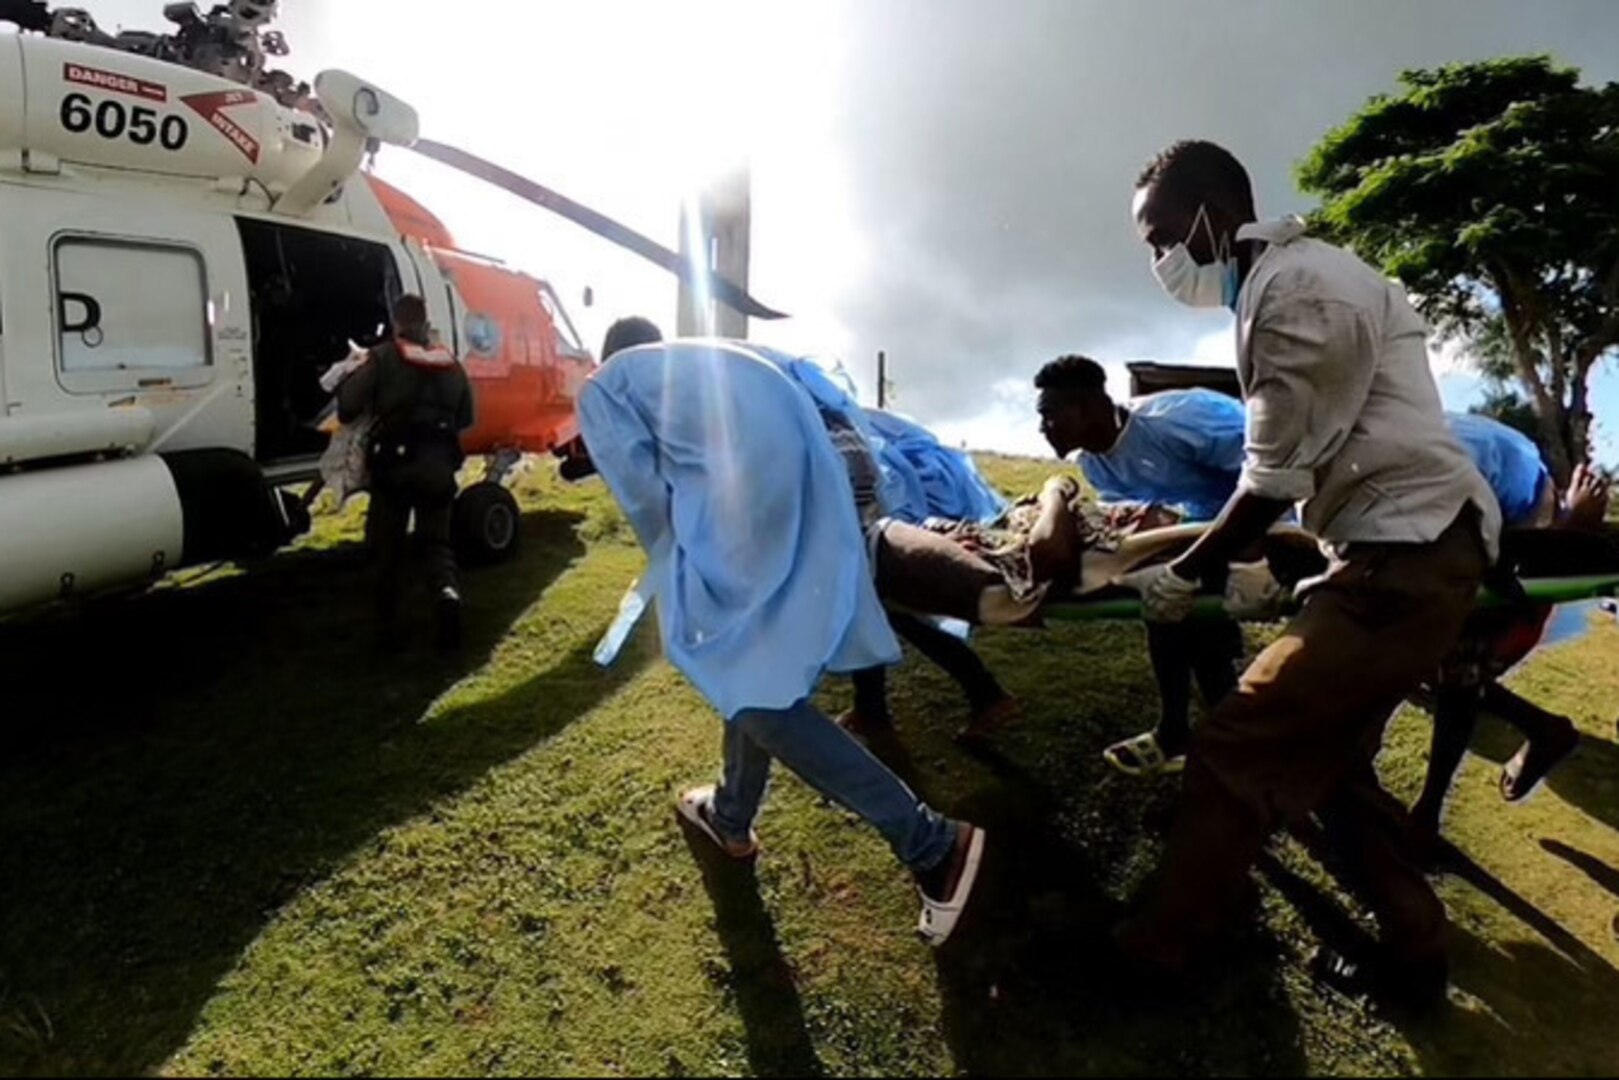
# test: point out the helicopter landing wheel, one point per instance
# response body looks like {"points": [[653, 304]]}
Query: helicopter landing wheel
{"points": [[486, 525]]}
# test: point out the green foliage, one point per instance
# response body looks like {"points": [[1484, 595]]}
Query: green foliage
{"points": [[1488, 189]]}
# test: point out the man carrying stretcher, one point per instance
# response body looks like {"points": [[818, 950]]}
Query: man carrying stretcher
{"points": [[1183, 450], [1343, 419]]}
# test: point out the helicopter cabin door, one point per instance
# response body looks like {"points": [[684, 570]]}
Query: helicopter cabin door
{"points": [[314, 294], [126, 301]]}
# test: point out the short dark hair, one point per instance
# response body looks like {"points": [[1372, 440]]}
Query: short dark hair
{"points": [[1078, 374], [628, 333], [1197, 169], [410, 316]]}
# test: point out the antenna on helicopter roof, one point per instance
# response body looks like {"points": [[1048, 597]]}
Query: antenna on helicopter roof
{"points": [[230, 41]]}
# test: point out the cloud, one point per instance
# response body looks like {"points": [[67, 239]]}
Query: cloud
{"points": [[1449, 356], [987, 163]]}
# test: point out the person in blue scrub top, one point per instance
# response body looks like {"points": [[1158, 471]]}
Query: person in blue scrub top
{"points": [[1497, 639], [1179, 449]]}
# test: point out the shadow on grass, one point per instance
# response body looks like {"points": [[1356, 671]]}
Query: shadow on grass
{"points": [[1032, 986], [1593, 868], [180, 765], [1498, 1007], [760, 979], [1029, 982], [1499, 1012]]}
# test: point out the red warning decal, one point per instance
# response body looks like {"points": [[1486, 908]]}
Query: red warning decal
{"points": [[211, 107], [111, 80]]}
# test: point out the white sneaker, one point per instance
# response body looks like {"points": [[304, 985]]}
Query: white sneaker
{"points": [[938, 920], [697, 808]]}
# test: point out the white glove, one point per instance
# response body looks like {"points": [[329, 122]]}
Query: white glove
{"points": [[1253, 594], [1166, 597]]}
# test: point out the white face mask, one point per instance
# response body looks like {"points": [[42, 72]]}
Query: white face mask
{"points": [[1205, 286]]}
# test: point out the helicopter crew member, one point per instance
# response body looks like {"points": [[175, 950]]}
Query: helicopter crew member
{"points": [[421, 401]]}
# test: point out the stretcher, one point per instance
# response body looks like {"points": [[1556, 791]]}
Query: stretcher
{"points": [[1553, 566], [1546, 590]]}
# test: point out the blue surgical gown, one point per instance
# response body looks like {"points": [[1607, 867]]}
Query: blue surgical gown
{"points": [[722, 464], [1509, 460], [1179, 448], [893, 494], [937, 481]]}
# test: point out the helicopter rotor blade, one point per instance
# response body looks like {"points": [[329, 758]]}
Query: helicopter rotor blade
{"points": [[725, 291]]}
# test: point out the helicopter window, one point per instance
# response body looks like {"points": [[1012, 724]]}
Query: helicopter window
{"points": [[568, 343], [129, 307]]}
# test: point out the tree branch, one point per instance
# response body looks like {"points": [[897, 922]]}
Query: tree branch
{"points": [[1554, 352], [1524, 356]]}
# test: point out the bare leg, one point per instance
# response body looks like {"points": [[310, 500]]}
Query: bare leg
{"points": [[870, 711], [954, 657], [1455, 716], [1170, 648], [1550, 739]]}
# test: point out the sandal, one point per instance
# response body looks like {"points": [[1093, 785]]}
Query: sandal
{"points": [[940, 918], [696, 808], [1143, 756], [1534, 762]]}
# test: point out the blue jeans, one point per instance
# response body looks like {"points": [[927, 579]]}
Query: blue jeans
{"points": [[826, 758]]}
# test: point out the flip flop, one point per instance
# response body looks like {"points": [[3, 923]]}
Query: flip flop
{"points": [[1141, 755], [939, 919], [696, 808], [1534, 761]]}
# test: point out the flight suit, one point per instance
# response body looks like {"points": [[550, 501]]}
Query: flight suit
{"points": [[422, 401]]}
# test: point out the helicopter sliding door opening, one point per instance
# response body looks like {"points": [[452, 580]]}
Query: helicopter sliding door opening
{"points": [[312, 294]]}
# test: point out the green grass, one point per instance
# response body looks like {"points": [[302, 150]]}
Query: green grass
{"points": [[236, 839]]}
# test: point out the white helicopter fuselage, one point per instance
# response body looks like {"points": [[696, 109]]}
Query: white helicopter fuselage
{"points": [[179, 257]]}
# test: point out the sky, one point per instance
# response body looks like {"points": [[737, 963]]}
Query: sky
{"points": [[948, 181]]}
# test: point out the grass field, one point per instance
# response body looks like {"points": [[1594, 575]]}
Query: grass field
{"points": [[235, 838]]}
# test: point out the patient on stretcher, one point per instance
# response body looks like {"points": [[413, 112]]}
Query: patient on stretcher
{"points": [[1057, 545], [1061, 545]]}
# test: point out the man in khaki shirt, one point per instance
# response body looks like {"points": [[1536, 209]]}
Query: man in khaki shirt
{"points": [[1344, 419]]}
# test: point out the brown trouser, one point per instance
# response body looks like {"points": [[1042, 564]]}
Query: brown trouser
{"points": [[925, 572], [1299, 736]]}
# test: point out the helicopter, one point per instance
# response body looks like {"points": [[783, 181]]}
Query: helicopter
{"points": [[188, 239]]}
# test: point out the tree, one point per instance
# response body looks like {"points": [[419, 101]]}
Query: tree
{"points": [[1491, 190]]}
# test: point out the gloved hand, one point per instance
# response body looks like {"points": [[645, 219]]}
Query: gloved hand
{"points": [[1253, 594], [1166, 597]]}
